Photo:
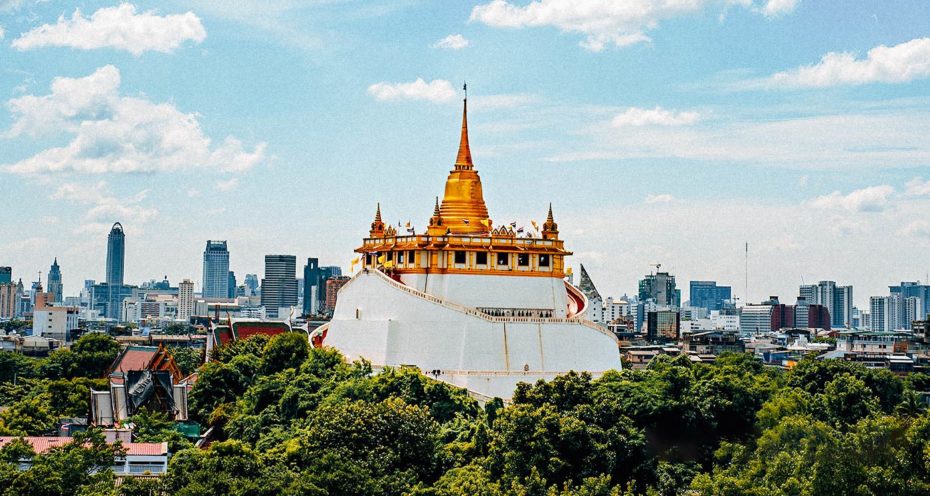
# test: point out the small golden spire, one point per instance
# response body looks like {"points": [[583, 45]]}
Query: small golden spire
{"points": [[436, 208], [377, 227], [463, 161], [550, 228]]}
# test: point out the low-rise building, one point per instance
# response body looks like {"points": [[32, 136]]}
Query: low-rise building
{"points": [[139, 458]]}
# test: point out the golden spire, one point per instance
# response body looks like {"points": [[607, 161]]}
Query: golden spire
{"points": [[377, 227], [463, 160], [463, 210], [435, 227], [550, 228]]}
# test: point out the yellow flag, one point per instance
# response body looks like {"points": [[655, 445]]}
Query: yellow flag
{"points": [[381, 259], [389, 264], [534, 225], [568, 271], [485, 222]]}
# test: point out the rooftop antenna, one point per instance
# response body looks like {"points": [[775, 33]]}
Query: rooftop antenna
{"points": [[657, 266]]}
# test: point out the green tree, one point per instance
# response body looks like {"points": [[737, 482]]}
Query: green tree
{"points": [[188, 359], [285, 351]]}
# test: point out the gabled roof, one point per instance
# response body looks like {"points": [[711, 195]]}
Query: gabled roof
{"points": [[43, 444], [143, 358], [587, 286]]}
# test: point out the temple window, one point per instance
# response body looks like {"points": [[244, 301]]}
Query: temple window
{"points": [[481, 258], [400, 257], [460, 257], [544, 260], [503, 259], [390, 256], [523, 259], [411, 257]]}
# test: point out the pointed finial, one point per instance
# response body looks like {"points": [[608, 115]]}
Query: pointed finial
{"points": [[436, 208], [550, 228], [463, 160], [378, 213], [549, 217]]}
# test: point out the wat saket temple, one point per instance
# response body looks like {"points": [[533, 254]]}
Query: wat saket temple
{"points": [[470, 302]]}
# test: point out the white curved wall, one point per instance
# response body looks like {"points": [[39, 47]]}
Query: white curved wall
{"points": [[389, 326], [474, 290]]}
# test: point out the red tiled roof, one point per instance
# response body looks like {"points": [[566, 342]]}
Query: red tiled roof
{"points": [[42, 444], [146, 449], [135, 358]]}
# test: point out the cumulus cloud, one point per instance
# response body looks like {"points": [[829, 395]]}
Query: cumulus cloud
{"points": [[437, 90], [663, 198], [102, 205], [452, 42], [775, 8], [917, 187], [117, 134], [228, 185], [604, 22], [916, 229], [871, 199], [897, 64], [120, 28], [654, 117]]}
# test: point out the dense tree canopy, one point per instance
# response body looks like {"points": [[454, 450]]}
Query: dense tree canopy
{"points": [[293, 420]]}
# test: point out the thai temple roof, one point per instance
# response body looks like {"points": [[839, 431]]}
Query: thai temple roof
{"points": [[586, 285]]}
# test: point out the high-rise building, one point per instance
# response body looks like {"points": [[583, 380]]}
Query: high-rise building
{"points": [[913, 311], [251, 284], [878, 313], [231, 290], [279, 286], [333, 285], [185, 300], [660, 288], [837, 299], [6, 275], [663, 325], [116, 258], [8, 300], [54, 283], [216, 270], [312, 287], [706, 294], [916, 289]]}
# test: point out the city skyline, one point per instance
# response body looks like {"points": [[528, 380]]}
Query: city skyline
{"points": [[676, 150]]}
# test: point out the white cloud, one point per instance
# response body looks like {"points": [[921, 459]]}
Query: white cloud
{"points": [[103, 205], [2, 32], [117, 134], [654, 117], [117, 27], [916, 229], [228, 185], [437, 90], [775, 8], [452, 42], [603, 22], [918, 187], [871, 199], [897, 64], [663, 198]]}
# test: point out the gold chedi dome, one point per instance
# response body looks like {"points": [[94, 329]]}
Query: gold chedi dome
{"points": [[463, 210]]}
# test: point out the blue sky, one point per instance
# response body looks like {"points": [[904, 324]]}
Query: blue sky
{"points": [[669, 133]]}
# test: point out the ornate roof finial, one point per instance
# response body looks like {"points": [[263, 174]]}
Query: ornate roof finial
{"points": [[550, 228], [377, 227], [463, 160], [436, 208]]}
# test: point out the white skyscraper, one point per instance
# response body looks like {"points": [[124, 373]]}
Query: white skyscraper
{"points": [[185, 300]]}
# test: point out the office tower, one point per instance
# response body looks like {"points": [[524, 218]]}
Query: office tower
{"points": [[842, 307], [231, 289], [54, 283], [878, 313], [6, 275], [251, 283], [216, 270], [809, 293], [312, 287], [706, 294], [909, 288], [279, 287], [185, 300], [912, 311], [660, 288], [8, 300], [116, 257]]}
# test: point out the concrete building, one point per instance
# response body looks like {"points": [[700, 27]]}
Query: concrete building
{"points": [[215, 270], [54, 322], [9, 300], [707, 294], [185, 300], [55, 294], [333, 285], [663, 325], [6, 275], [279, 286], [116, 259], [837, 299], [660, 288], [756, 318]]}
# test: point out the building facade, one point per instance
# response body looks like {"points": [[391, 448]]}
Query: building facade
{"points": [[55, 294], [707, 294], [660, 288], [215, 270], [185, 300], [116, 260], [279, 286]]}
